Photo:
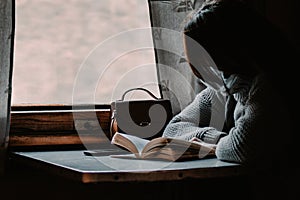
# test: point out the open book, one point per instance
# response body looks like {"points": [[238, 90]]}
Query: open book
{"points": [[162, 148]]}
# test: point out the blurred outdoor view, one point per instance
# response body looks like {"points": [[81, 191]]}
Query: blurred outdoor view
{"points": [[55, 38]]}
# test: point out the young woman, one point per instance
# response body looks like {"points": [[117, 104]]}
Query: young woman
{"points": [[242, 110]]}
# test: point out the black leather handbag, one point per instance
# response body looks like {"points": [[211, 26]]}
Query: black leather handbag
{"points": [[142, 118]]}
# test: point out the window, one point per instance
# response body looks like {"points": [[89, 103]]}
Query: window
{"points": [[56, 40]]}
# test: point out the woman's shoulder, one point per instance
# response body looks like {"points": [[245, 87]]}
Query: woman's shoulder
{"points": [[261, 88]]}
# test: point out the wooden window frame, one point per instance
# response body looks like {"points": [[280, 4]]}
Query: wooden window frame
{"points": [[53, 126]]}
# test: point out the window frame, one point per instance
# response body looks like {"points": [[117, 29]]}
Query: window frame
{"points": [[51, 126], [7, 23]]}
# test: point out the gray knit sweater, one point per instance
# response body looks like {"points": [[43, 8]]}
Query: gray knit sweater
{"points": [[259, 128]]}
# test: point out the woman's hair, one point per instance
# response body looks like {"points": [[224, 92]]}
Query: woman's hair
{"points": [[223, 29], [237, 38], [241, 41]]}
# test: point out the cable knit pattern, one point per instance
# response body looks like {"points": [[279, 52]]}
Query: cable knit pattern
{"points": [[193, 120], [256, 115]]}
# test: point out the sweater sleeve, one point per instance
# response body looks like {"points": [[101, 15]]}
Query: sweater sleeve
{"points": [[234, 147], [253, 129], [194, 120]]}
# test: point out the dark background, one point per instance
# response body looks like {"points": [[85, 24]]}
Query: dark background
{"points": [[27, 183], [283, 13]]}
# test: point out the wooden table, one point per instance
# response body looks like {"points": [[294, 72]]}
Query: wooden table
{"points": [[92, 169]]}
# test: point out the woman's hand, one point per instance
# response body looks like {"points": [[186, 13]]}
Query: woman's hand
{"points": [[199, 141]]}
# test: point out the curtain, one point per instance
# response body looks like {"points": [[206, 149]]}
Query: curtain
{"points": [[6, 45], [175, 77]]}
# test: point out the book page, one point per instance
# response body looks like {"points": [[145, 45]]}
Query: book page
{"points": [[177, 149], [139, 143], [156, 142]]}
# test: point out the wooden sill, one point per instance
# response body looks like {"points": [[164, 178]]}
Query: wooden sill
{"points": [[52, 125]]}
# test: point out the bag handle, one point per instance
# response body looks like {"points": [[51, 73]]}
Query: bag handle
{"points": [[143, 89]]}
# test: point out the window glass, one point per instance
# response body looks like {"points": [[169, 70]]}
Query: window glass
{"points": [[57, 40]]}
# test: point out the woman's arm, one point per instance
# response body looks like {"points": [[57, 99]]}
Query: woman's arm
{"points": [[235, 146], [193, 120], [259, 122]]}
